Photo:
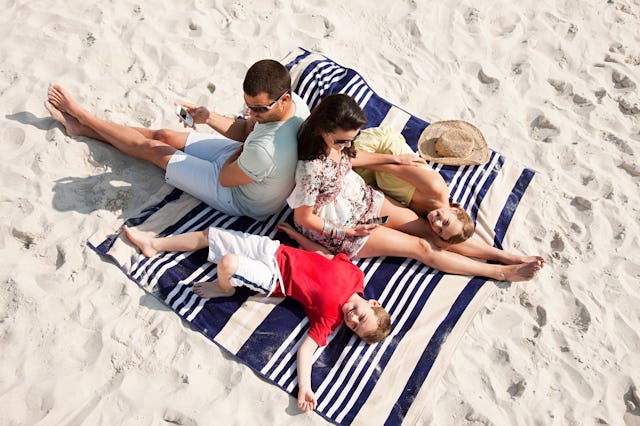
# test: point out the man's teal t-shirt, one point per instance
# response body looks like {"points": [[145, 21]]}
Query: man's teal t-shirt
{"points": [[269, 157]]}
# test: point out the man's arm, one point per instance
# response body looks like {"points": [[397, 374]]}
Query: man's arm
{"points": [[306, 397], [231, 174], [236, 129]]}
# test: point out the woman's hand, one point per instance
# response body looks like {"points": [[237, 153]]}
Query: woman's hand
{"points": [[409, 160], [200, 114], [360, 230]]}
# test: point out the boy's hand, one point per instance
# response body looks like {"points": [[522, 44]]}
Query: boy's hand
{"points": [[306, 399]]}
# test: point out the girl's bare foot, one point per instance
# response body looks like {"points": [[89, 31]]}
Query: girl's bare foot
{"points": [[142, 240], [523, 271], [211, 289]]}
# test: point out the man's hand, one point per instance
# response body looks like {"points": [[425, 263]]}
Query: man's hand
{"points": [[200, 114], [306, 399]]}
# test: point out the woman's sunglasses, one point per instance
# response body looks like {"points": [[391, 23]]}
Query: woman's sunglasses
{"points": [[346, 141], [265, 108]]}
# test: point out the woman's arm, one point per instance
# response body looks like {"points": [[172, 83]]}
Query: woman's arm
{"points": [[305, 217], [303, 242], [306, 397]]}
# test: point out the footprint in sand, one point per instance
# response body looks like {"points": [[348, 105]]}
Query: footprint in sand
{"points": [[13, 138], [542, 129], [621, 81], [517, 389], [581, 204], [504, 24], [562, 87], [177, 418], [629, 104], [493, 84]]}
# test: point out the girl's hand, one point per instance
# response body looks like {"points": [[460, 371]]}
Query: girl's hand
{"points": [[410, 160]]}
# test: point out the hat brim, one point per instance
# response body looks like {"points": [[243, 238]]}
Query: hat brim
{"points": [[426, 144]]}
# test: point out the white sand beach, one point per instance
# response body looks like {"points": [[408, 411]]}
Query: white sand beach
{"points": [[551, 84]]}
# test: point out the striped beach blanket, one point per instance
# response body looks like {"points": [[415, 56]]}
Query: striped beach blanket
{"points": [[390, 381]]}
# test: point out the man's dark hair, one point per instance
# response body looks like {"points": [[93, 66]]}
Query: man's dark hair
{"points": [[267, 76]]}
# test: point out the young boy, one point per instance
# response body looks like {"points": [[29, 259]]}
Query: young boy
{"points": [[328, 287]]}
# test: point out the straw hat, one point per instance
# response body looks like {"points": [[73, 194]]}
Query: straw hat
{"points": [[453, 142]]}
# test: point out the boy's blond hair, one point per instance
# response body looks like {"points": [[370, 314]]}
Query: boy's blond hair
{"points": [[384, 326]]}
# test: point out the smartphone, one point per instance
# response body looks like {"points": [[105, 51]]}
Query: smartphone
{"points": [[184, 115], [379, 220]]}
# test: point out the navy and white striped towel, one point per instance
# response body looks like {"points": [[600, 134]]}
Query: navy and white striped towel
{"points": [[354, 382]]}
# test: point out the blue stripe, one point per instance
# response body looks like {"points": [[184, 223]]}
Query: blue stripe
{"points": [[429, 355], [511, 205]]}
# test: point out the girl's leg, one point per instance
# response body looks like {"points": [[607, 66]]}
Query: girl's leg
{"points": [[476, 247], [389, 242], [150, 245]]}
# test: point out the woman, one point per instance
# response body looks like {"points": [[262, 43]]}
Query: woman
{"points": [[330, 200]]}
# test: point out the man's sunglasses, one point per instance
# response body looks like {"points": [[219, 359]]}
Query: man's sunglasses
{"points": [[346, 141], [265, 108]]}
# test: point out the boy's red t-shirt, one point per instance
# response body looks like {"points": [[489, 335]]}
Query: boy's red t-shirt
{"points": [[321, 286]]}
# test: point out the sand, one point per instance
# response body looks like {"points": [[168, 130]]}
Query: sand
{"points": [[552, 84]]}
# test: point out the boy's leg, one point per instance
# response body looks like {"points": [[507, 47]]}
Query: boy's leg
{"points": [[150, 245], [238, 271]]}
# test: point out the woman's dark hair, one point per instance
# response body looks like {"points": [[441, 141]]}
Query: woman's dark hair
{"points": [[335, 112]]}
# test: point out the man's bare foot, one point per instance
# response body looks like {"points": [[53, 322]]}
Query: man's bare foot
{"points": [[71, 125], [60, 99], [212, 289], [523, 271], [142, 240]]}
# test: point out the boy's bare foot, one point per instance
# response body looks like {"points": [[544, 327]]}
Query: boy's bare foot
{"points": [[523, 271], [211, 289], [142, 240]]}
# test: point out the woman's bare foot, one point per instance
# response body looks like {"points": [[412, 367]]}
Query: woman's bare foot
{"points": [[212, 289], [142, 240], [522, 271]]}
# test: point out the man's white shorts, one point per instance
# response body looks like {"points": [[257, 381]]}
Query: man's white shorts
{"points": [[197, 170]]}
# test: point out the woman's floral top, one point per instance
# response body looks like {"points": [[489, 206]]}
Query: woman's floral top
{"points": [[339, 196]]}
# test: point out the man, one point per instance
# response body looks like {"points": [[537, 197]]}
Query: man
{"points": [[248, 172]]}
